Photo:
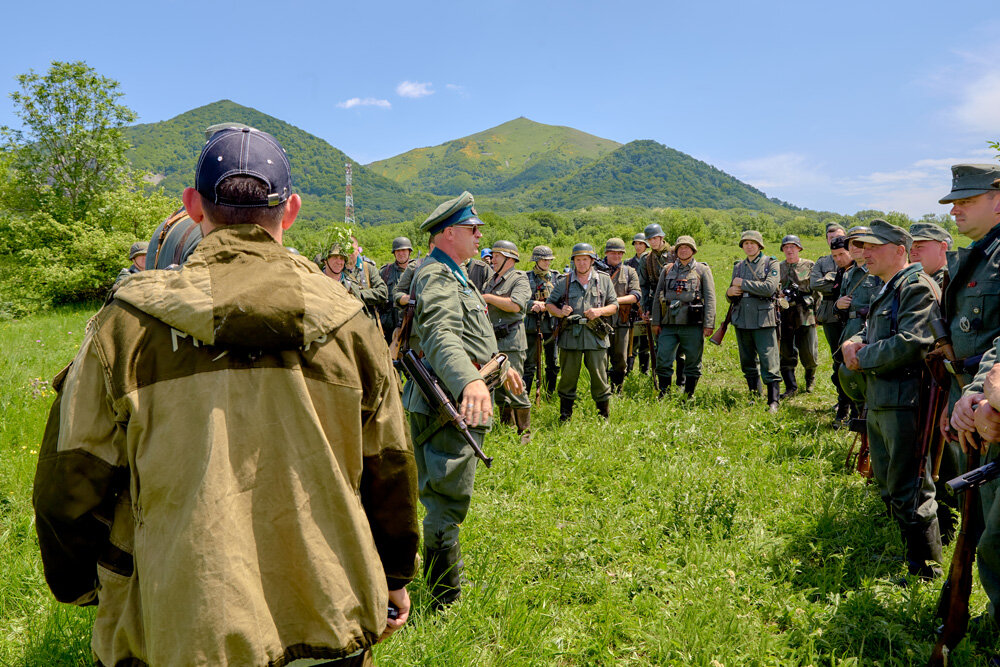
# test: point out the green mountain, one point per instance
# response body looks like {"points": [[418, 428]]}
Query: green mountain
{"points": [[502, 159], [646, 173], [167, 151]]}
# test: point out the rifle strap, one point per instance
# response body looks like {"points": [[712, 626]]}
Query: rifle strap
{"points": [[431, 429]]}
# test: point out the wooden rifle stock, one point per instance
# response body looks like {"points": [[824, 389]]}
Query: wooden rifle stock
{"points": [[720, 333]]}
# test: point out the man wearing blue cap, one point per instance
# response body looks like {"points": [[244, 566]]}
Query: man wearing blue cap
{"points": [[226, 472]]}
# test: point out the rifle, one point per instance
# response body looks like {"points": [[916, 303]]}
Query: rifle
{"points": [[539, 292], [565, 301], [860, 461], [720, 333], [650, 343], [431, 388]]}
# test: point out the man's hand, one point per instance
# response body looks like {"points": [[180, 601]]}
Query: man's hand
{"points": [[400, 599], [734, 290], [992, 386], [843, 303], [988, 422], [707, 332], [944, 426], [514, 383], [656, 329], [405, 299], [537, 306], [963, 416], [566, 310], [591, 313], [738, 282], [850, 350], [477, 403]]}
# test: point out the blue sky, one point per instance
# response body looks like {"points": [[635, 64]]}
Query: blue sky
{"points": [[832, 106]]}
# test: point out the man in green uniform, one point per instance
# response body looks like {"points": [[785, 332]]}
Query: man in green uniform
{"points": [[660, 254], [639, 346], [452, 329], [361, 279], [683, 314], [391, 316], [401, 292], [825, 278], [479, 271], [580, 300], [752, 293], [626, 284], [541, 280], [507, 294], [889, 351], [797, 339], [971, 305], [931, 244]]}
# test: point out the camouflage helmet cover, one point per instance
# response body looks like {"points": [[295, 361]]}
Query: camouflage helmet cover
{"points": [[614, 244], [752, 235], [686, 240], [541, 252], [583, 249]]}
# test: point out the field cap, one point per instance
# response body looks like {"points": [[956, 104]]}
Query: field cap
{"points": [[969, 180], [831, 226], [752, 235], [138, 248], [460, 210], [883, 233], [686, 240], [243, 151], [928, 231]]}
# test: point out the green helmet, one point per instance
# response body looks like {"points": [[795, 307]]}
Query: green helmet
{"points": [[639, 238], [401, 243], [583, 249], [858, 230], [686, 240], [336, 250], [541, 252], [652, 231], [752, 235], [793, 239], [507, 249], [853, 383], [614, 244]]}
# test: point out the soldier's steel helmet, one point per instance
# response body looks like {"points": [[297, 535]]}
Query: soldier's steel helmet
{"points": [[653, 230], [401, 243], [752, 235], [793, 239], [507, 249], [614, 244], [852, 382], [336, 250], [686, 240], [639, 238], [541, 252], [583, 249], [858, 230]]}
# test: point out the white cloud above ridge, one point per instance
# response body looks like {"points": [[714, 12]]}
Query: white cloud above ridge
{"points": [[414, 89], [364, 102], [978, 109]]}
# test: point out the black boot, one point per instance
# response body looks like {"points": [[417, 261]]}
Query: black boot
{"points": [[810, 379], [617, 378], [443, 574], [773, 396], [522, 418], [550, 381], [565, 409], [840, 420], [681, 366], [604, 409], [923, 550], [756, 390], [689, 384], [791, 386], [644, 361], [663, 382]]}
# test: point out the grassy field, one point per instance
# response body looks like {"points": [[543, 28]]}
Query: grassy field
{"points": [[703, 533]]}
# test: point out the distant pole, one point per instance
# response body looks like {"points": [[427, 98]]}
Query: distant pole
{"points": [[348, 198]]}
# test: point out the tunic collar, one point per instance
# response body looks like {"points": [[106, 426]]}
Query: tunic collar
{"points": [[442, 256]]}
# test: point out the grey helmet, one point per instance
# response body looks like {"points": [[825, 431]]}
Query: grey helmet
{"points": [[793, 239], [541, 252], [614, 244], [583, 249], [640, 238], [507, 249], [858, 230], [401, 243], [653, 230]]}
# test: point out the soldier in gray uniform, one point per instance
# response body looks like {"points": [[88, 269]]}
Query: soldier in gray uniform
{"points": [[683, 314], [479, 272], [931, 244], [582, 301], [889, 352], [660, 254], [826, 278], [626, 283], [541, 280], [639, 345], [507, 294], [401, 291], [452, 328], [752, 293], [390, 315], [797, 338], [361, 278], [971, 305]]}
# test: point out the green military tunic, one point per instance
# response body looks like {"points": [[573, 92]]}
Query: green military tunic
{"points": [[478, 271], [363, 281], [541, 284], [625, 280], [797, 341], [579, 345], [862, 287], [639, 345], [390, 314], [896, 338], [508, 328], [683, 305], [826, 278], [452, 329], [755, 317]]}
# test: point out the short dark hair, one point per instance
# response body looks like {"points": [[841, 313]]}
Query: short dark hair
{"points": [[242, 188]]}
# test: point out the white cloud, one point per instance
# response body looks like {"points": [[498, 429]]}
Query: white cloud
{"points": [[414, 89], [364, 102], [978, 109], [784, 170]]}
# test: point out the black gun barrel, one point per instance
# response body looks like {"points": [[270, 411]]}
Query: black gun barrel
{"points": [[974, 478], [436, 396]]}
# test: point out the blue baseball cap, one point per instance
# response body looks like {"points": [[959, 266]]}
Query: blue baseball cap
{"points": [[243, 151]]}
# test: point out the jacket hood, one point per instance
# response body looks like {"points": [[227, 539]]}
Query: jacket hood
{"points": [[242, 289]]}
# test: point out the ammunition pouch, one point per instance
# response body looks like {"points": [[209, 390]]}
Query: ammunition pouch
{"points": [[696, 312], [504, 330], [600, 326]]}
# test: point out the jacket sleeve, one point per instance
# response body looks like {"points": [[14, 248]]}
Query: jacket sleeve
{"points": [[376, 294], [656, 312], [917, 307], [81, 469], [403, 285], [389, 475], [823, 282], [768, 286], [520, 292], [633, 285], [990, 357], [708, 297], [736, 266]]}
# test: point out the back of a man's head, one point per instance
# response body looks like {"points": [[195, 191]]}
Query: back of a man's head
{"points": [[237, 189]]}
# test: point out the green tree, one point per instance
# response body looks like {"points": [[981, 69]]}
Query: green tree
{"points": [[72, 145]]}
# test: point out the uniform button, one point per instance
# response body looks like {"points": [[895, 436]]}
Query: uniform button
{"points": [[975, 310]]}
